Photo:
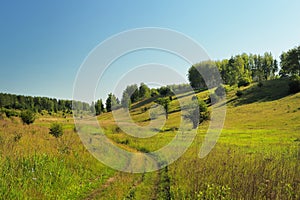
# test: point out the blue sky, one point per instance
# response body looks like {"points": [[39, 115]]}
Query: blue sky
{"points": [[43, 43]]}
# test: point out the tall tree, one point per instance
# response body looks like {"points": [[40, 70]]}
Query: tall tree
{"points": [[290, 62], [133, 92], [144, 91], [126, 102], [267, 66], [111, 102], [165, 102], [99, 107]]}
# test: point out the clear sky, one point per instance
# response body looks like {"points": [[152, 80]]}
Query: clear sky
{"points": [[43, 43]]}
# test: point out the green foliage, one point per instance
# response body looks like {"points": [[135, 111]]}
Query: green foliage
{"points": [[208, 69], [198, 112], [290, 62], [56, 130], [165, 102], [27, 116], [239, 69], [244, 81], [212, 191], [260, 84], [111, 102], [126, 101], [46, 177], [239, 93], [10, 113], [133, 92], [164, 190], [213, 98], [144, 91], [294, 84], [99, 107], [165, 91], [154, 92], [37, 104], [220, 91]]}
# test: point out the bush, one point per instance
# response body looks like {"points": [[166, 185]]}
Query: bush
{"points": [[213, 98], [220, 91], [56, 130], [10, 113], [244, 82], [260, 84], [294, 84], [27, 116], [239, 93], [198, 113]]}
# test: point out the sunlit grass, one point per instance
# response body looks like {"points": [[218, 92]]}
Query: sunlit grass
{"points": [[257, 155]]}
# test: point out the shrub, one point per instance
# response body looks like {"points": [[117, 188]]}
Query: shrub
{"points": [[198, 113], [56, 130], [239, 93], [244, 82], [10, 113], [294, 84], [213, 98], [260, 84], [220, 91], [27, 116]]}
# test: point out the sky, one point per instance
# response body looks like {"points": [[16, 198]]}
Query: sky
{"points": [[44, 43]]}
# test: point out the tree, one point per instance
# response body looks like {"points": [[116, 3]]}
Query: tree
{"points": [[208, 69], [133, 92], [27, 116], [165, 102], [154, 92], [92, 108], [267, 65], [165, 91], [144, 91], [111, 102], [99, 107], [198, 112], [126, 101], [290, 62], [56, 130]]}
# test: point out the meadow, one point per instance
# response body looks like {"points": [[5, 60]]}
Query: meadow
{"points": [[256, 157]]}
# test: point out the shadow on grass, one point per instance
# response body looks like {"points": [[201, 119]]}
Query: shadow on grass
{"points": [[270, 90]]}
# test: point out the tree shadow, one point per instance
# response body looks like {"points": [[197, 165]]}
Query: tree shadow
{"points": [[269, 91]]}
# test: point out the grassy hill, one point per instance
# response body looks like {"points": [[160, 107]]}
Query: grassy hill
{"points": [[257, 155]]}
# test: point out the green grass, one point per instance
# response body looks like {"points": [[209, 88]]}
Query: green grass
{"points": [[257, 155]]}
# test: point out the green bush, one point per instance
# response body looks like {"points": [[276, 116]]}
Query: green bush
{"points": [[239, 93], [213, 98], [10, 113], [56, 130], [244, 82], [294, 84], [198, 113], [27, 116], [220, 91], [260, 84]]}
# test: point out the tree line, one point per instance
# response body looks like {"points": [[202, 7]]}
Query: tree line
{"points": [[243, 69], [38, 104], [239, 70]]}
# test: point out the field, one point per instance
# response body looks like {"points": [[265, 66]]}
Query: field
{"points": [[256, 157]]}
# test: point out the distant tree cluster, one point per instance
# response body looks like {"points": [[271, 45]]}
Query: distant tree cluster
{"points": [[37, 104], [133, 93], [238, 70]]}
